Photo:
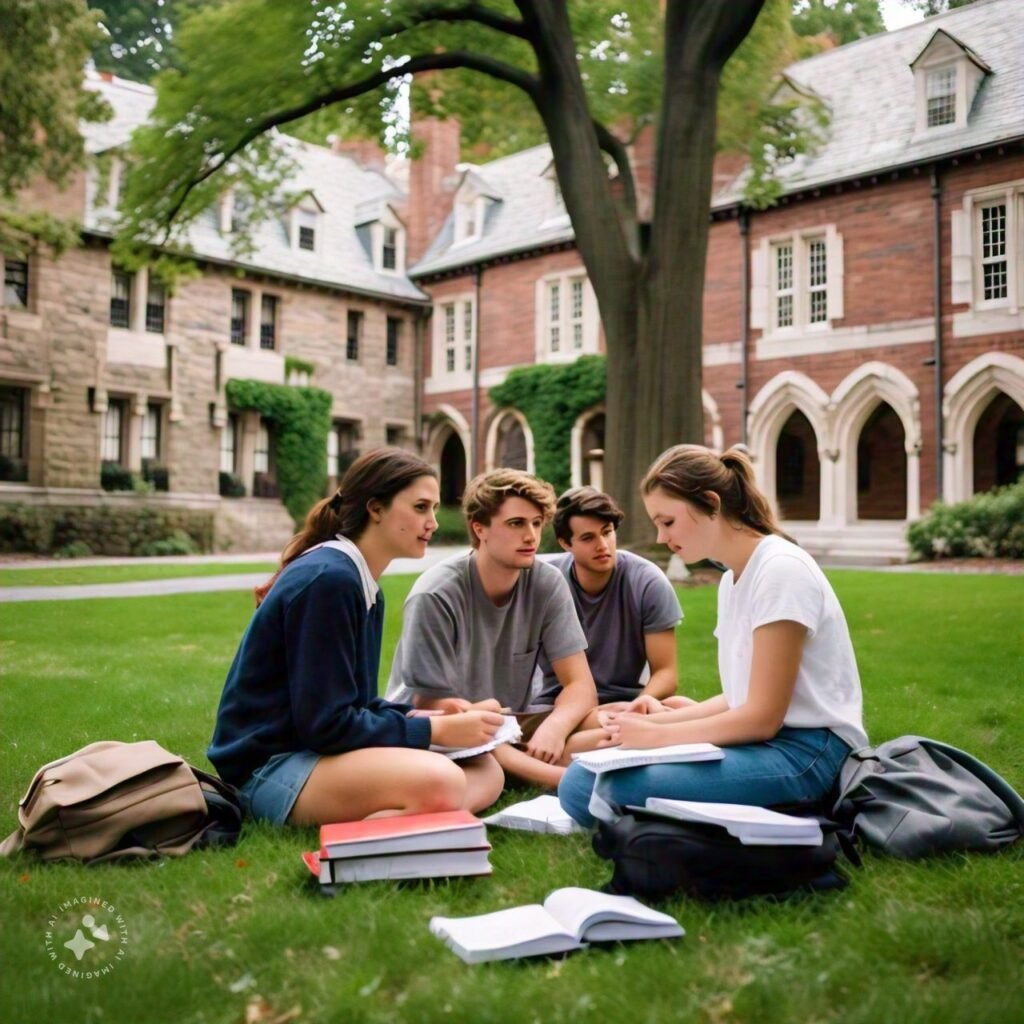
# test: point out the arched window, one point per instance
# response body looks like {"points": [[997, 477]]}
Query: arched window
{"points": [[797, 469], [882, 466]]}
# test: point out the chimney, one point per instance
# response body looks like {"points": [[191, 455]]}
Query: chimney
{"points": [[367, 153], [431, 180]]}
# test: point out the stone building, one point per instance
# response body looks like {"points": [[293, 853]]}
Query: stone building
{"points": [[864, 337], [103, 372]]}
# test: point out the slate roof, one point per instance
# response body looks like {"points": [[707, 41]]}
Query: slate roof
{"points": [[869, 89], [345, 190], [525, 216]]}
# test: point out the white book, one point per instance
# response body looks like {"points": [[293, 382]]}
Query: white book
{"points": [[508, 732], [753, 826], [432, 864], [542, 814], [609, 759], [568, 919]]}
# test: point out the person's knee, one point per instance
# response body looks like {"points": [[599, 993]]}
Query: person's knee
{"points": [[574, 794], [488, 783], [440, 786]]}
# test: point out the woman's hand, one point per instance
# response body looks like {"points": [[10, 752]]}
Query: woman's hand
{"points": [[645, 704], [465, 728], [636, 731]]}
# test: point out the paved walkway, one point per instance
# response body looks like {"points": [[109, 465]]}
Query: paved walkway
{"points": [[183, 584]]}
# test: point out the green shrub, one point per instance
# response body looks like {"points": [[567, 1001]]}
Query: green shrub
{"points": [[230, 486], [302, 421], [104, 529], [178, 543], [451, 526], [114, 477], [157, 475], [76, 549], [552, 398], [989, 525]]}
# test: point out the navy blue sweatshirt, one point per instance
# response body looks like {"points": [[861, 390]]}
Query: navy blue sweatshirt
{"points": [[305, 675]]}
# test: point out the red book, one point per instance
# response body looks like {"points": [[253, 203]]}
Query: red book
{"points": [[409, 833]]}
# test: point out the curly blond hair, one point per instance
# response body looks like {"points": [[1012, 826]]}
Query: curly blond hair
{"points": [[486, 493]]}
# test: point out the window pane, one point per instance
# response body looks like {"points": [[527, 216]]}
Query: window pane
{"points": [[261, 462], [228, 444], [817, 264], [449, 337], [120, 299], [995, 281], [307, 238], [785, 308], [467, 334], [151, 433], [112, 423], [268, 322], [12, 422], [355, 328], [394, 329], [784, 285], [941, 94], [390, 248], [576, 287], [155, 302], [239, 316], [16, 283]]}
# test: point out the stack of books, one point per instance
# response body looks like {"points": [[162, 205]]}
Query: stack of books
{"points": [[438, 845]]}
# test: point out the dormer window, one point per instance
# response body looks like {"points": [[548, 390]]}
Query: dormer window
{"points": [[302, 223], [389, 249], [947, 76], [940, 90], [468, 218]]}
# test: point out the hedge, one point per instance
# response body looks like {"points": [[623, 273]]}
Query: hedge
{"points": [[302, 421], [552, 398], [103, 530], [989, 525]]}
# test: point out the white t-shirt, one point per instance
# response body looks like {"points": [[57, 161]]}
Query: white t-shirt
{"points": [[781, 582]]}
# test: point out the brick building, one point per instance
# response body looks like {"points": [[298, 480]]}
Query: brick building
{"points": [[865, 336], [101, 368]]}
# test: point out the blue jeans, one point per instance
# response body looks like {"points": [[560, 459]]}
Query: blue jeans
{"points": [[797, 766]]}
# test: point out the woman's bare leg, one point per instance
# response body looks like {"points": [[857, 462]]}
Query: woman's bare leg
{"points": [[352, 786], [484, 782]]}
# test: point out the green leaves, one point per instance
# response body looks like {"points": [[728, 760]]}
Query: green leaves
{"points": [[552, 398], [301, 419]]}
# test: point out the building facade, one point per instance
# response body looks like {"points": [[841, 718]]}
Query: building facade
{"points": [[864, 337]]}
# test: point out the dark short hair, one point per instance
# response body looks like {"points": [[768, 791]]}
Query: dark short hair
{"points": [[584, 501]]}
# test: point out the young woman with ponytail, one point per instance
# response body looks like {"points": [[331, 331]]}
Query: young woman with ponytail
{"points": [[790, 708], [300, 728]]}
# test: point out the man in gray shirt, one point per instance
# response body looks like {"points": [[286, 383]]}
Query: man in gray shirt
{"points": [[474, 626], [627, 607]]}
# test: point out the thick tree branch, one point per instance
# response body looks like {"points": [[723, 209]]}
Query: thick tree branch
{"points": [[424, 62], [617, 150], [471, 12]]}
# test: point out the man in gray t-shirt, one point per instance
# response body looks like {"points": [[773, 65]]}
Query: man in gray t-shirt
{"points": [[474, 626], [628, 608]]}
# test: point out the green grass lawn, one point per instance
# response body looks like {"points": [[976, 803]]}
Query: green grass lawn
{"points": [[74, 575], [210, 934]]}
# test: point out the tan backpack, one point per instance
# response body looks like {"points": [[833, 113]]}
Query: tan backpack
{"points": [[114, 800]]}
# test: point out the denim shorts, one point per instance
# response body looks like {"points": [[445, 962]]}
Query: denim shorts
{"points": [[271, 791]]}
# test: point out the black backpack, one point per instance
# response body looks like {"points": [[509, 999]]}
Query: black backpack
{"points": [[653, 858]]}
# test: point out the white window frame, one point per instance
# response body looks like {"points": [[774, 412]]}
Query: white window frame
{"points": [[766, 291], [570, 315], [470, 211], [968, 279], [941, 56], [304, 214], [454, 335], [151, 432]]}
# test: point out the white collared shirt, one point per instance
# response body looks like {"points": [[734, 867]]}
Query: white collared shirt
{"points": [[370, 586]]}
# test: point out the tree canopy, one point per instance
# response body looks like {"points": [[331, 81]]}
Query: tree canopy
{"points": [[44, 100], [843, 21]]}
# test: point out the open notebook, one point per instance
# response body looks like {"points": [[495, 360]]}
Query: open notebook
{"points": [[541, 814], [508, 732], [752, 826], [568, 919], [609, 759]]}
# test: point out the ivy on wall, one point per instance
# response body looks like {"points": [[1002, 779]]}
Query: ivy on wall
{"points": [[552, 397], [302, 420]]}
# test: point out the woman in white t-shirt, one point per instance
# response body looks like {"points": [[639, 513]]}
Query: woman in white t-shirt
{"points": [[790, 708]]}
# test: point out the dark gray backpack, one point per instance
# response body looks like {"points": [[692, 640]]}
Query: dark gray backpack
{"points": [[913, 797]]}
